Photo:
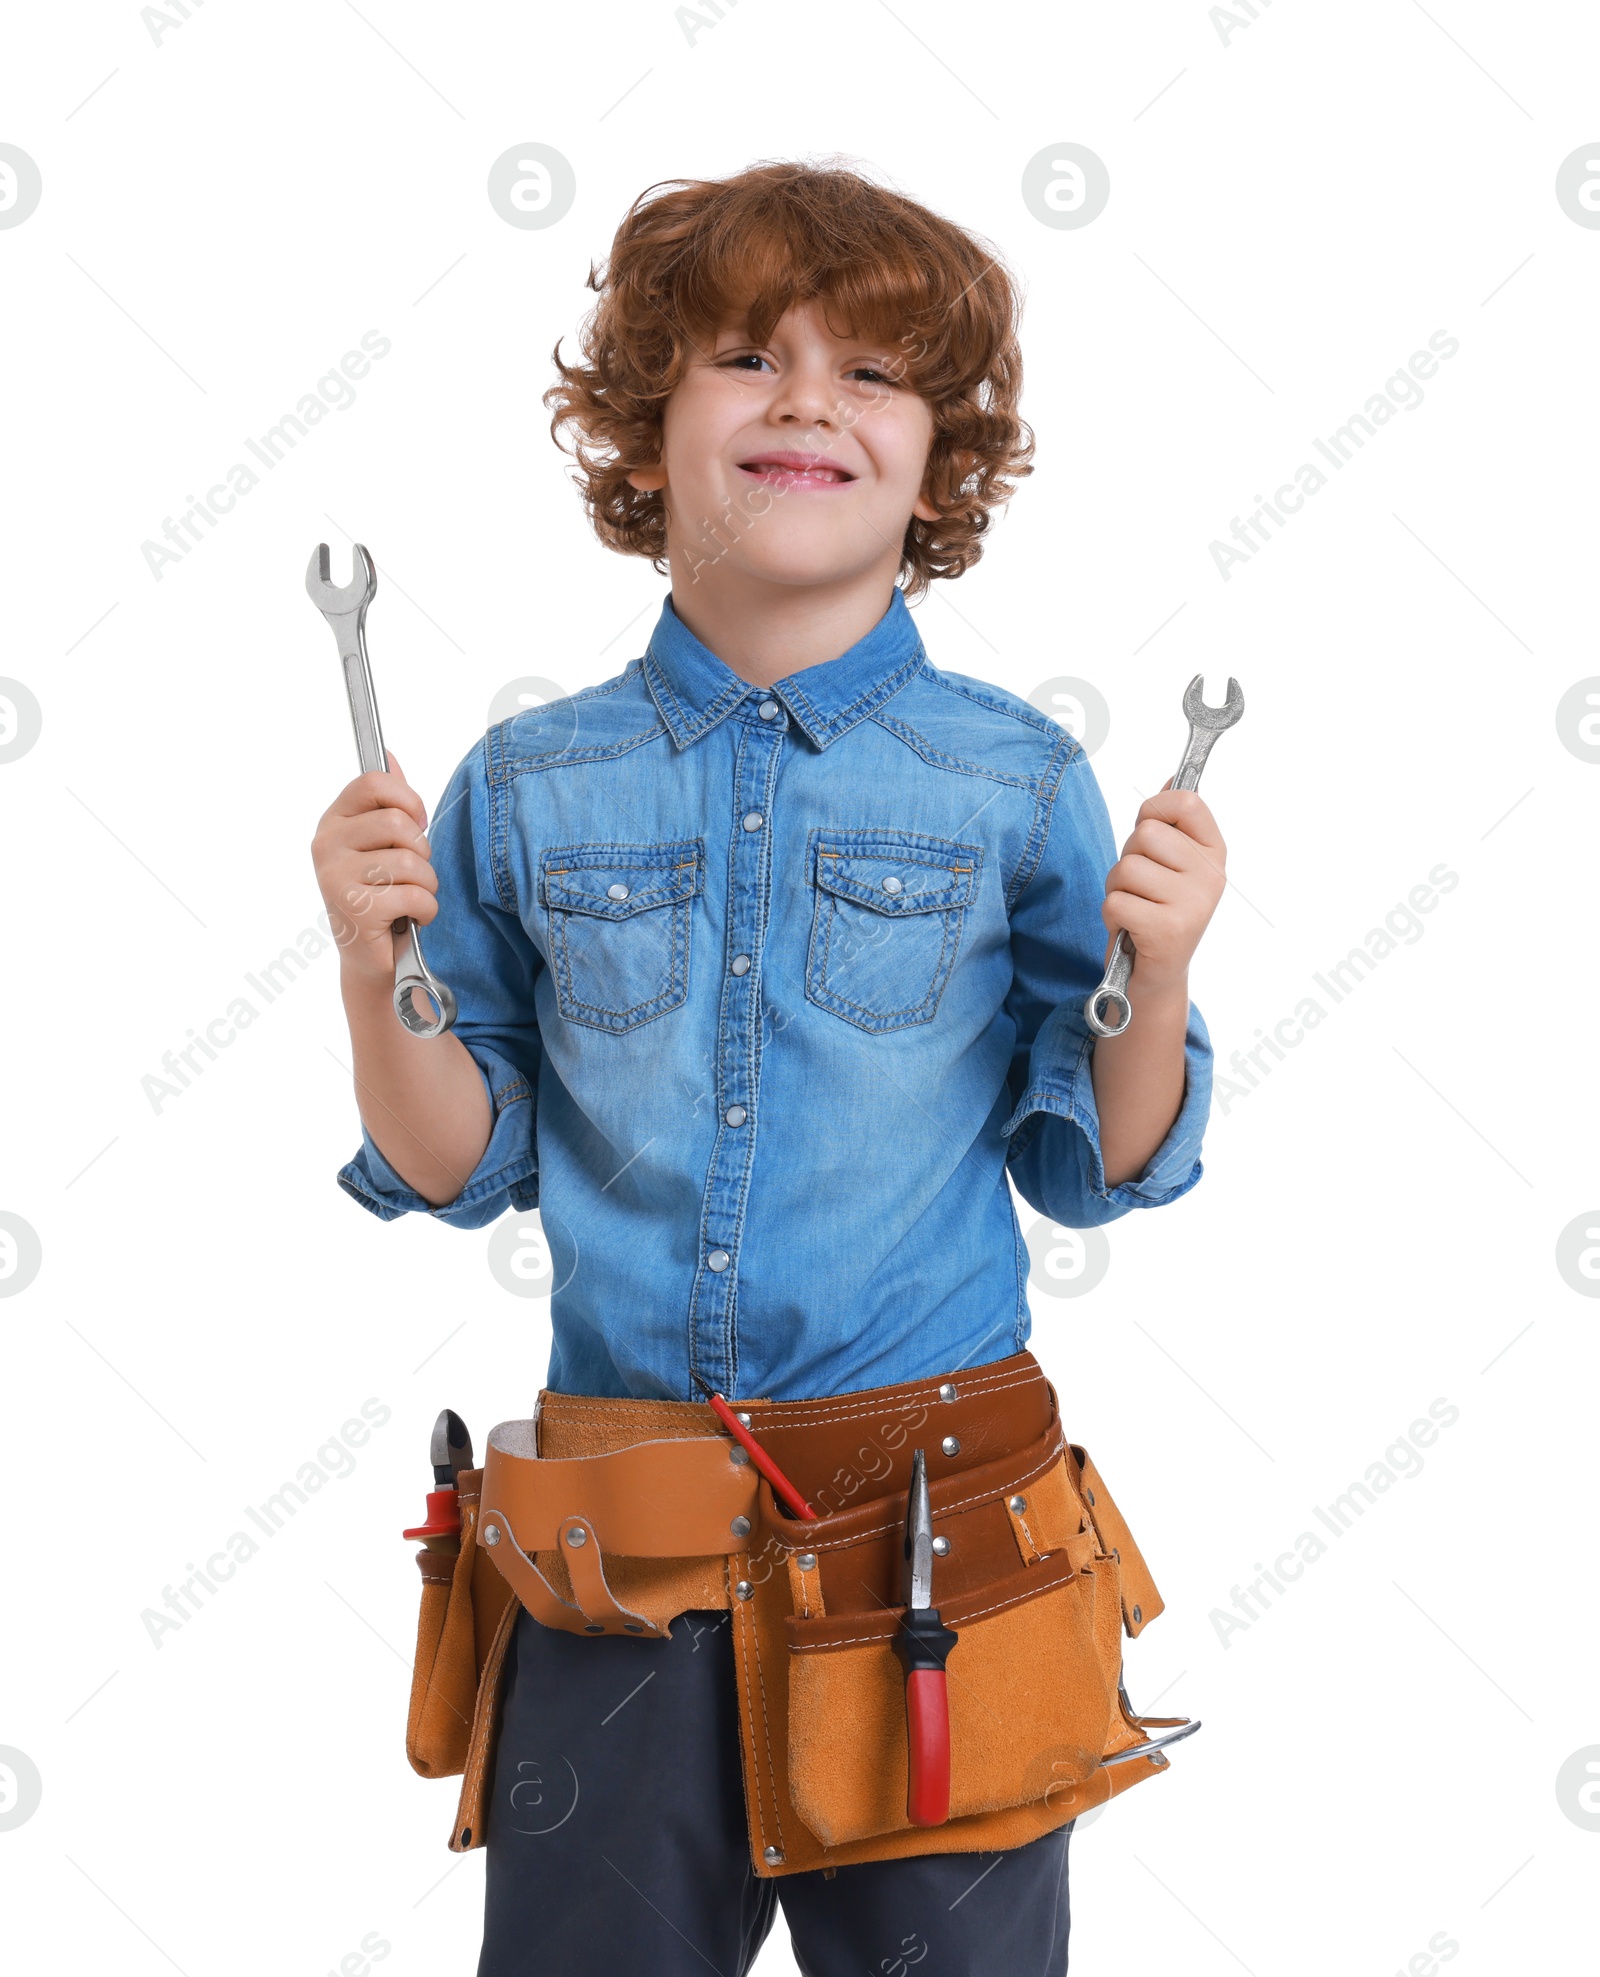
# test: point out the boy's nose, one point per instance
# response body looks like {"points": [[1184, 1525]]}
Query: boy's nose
{"points": [[807, 398]]}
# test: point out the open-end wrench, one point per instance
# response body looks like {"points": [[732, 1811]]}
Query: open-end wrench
{"points": [[421, 1000], [1205, 724]]}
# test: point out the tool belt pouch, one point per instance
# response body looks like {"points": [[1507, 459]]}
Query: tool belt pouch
{"points": [[603, 1516], [1039, 1579], [464, 1600]]}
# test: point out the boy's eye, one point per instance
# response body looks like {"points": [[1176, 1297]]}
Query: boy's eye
{"points": [[753, 361]]}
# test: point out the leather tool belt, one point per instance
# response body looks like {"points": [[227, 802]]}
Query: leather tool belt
{"points": [[605, 1516]]}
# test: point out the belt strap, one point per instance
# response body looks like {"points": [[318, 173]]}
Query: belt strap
{"points": [[682, 1497], [675, 1498], [596, 1537]]}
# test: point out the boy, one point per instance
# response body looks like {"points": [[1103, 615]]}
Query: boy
{"points": [[771, 955]]}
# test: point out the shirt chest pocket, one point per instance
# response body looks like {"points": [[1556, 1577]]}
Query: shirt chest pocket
{"points": [[618, 921], [886, 923]]}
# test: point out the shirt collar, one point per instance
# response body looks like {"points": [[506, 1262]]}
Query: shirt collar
{"points": [[694, 689]]}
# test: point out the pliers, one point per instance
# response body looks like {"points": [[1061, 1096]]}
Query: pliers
{"points": [[921, 1643]]}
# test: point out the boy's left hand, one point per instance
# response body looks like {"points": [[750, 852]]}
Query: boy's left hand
{"points": [[1165, 886]]}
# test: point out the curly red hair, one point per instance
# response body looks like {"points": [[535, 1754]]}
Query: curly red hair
{"points": [[692, 253]]}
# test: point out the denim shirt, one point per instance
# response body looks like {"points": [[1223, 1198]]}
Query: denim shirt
{"points": [[770, 989]]}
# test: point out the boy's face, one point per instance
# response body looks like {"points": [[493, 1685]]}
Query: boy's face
{"points": [[799, 461]]}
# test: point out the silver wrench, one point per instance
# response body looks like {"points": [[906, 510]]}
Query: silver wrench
{"points": [[1205, 724], [418, 992]]}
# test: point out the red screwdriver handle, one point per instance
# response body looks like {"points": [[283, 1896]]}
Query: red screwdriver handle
{"points": [[928, 1741], [758, 1455]]}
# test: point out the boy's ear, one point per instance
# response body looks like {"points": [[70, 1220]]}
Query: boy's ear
{"points": [[650, 480], [924, 509]]}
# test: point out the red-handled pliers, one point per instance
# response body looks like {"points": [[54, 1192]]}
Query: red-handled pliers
{"points": [[922, 1642], [451, 1452]]}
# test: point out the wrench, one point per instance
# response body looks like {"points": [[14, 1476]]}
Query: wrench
{"points": [[1205, 724], [418, 993]]}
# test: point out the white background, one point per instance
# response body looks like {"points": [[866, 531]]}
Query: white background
{"points": [[1296, 205]]}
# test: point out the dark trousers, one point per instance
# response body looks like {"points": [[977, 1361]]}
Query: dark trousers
{"points": [[617, 1841]]}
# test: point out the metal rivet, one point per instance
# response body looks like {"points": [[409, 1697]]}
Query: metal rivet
{"points": [[1159, 1759], [740, 1527], [735, 1115], [593, 1627], [491, 1534], [719, 1259], [738, 1453], [807, 1561], [1089, 1498], [947, 1392], [743, 1590], [773, 1856], [941, 1547], [740, 964], [632, 1627], [768, 710], [618, 891], [1116, 1553], [1019, 1503], [742, 1418], [1138, 1616], [753, 820], [577, 1535], [892, 884], [950, 1445]]}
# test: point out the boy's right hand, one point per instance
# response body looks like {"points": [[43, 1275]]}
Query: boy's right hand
{"points": [[371, 858]]}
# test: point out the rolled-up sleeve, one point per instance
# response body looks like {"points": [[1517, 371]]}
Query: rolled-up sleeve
{"points": [[1058, 945], [478, 946]]}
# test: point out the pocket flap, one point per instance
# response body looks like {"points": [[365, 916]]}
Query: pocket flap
{"points": [[832, 1633], [615, 881], [1140, 1600], [896, 872]]}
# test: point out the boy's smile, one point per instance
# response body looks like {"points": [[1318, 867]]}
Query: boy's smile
{"points": [[791, 470], [797, 463]]}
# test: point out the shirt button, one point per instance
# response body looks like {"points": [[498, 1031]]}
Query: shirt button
{"points": [[768, 710], [735, 1115], [740, 964], [892, 884], [719, 1259], [621, 891], [753, 820]]}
